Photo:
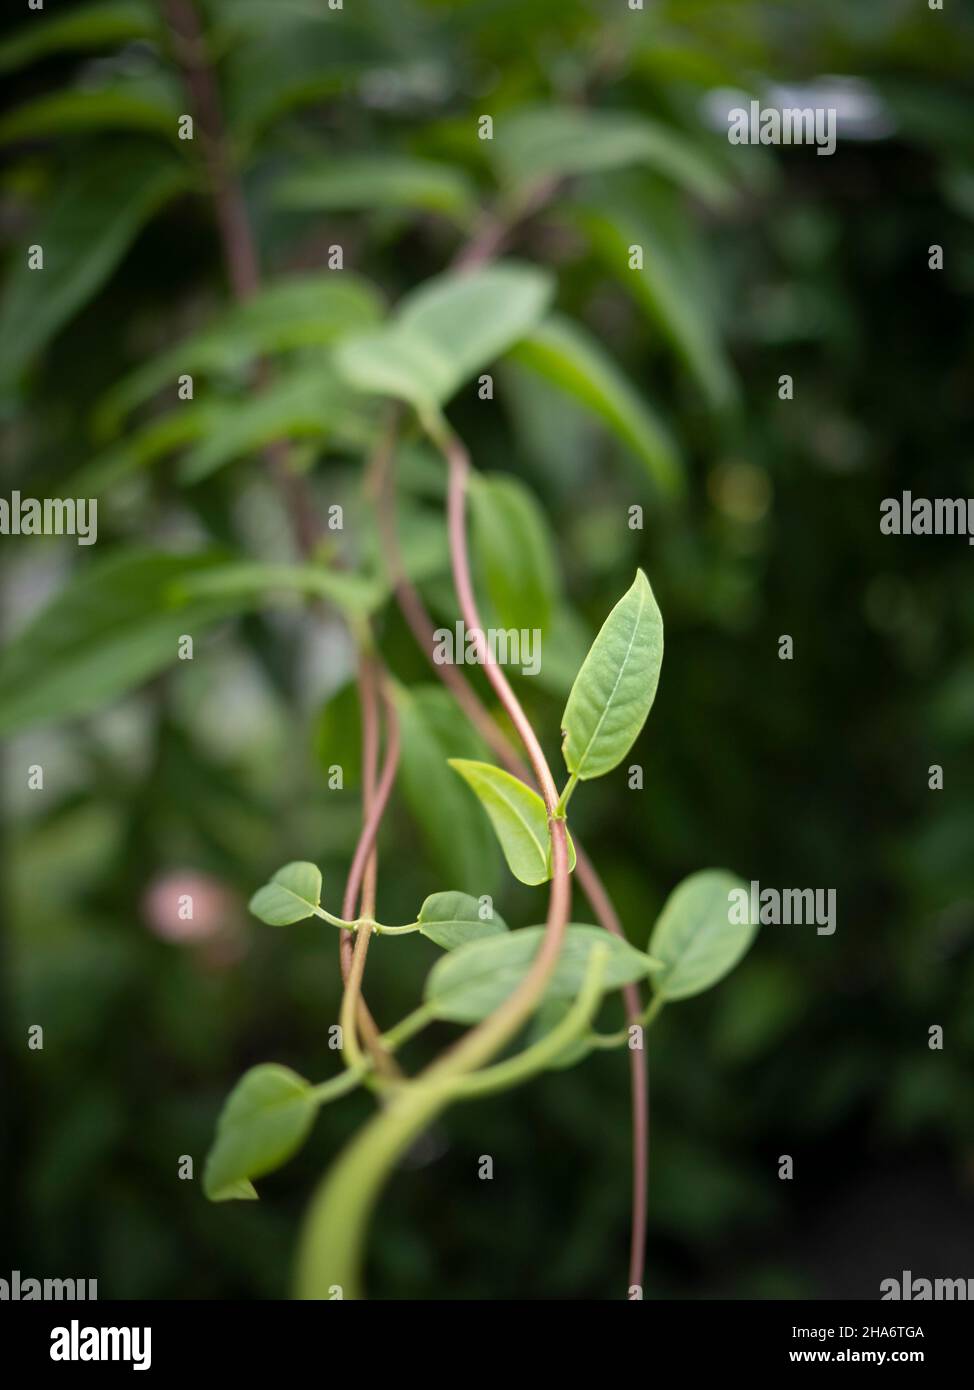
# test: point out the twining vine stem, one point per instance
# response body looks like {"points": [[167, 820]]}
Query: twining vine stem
{"points": [[480, 1043], [421, 626]]}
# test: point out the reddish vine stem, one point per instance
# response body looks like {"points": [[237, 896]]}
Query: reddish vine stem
{"points": [[360, 883], [459, 466]]}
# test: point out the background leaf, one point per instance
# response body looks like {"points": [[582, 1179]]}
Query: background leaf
{"points": [[364, 182], [300, 311], [86, 27], [85, 232], [566, 355], [443, 332], [515, 550], [115, 625], [530, 145]]}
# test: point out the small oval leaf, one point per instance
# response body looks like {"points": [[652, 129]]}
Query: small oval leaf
{"points": [[518, 816], [292, 895], [452, 919], [702, 932], [615, 688], [469, 983], [266, 1118]]}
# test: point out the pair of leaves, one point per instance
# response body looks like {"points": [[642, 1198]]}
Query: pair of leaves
{"points": [[469, 983], [292, 895], [607, 706], [444, 332], [518, 816]]}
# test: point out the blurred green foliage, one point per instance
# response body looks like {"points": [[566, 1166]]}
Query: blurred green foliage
{"points": [[656, 388]]}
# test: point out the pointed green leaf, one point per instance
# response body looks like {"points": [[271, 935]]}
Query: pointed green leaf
{"points": [[702, 932], [565, 354], [614, 690], [292, 895], [452, 919], [469, 983], [518, 816], [265, 1120]]}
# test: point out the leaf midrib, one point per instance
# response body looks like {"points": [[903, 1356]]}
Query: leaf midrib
{"points": [[615, 685]]}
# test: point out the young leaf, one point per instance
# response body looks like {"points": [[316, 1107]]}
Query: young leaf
{"points": [[292, 895], [469, 983], [452, 919], [566, 355], [513, 543], [445, 331], [265, 1120], [518, 816], [699, 936], [614, 690]]}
